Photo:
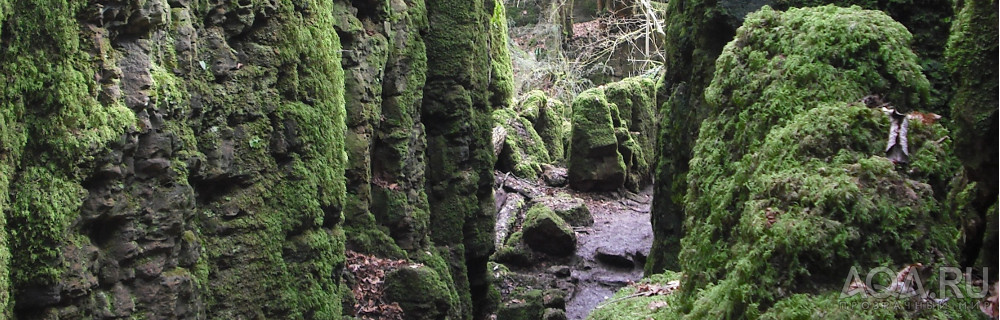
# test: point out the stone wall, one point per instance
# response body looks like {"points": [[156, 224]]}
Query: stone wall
{"points": [[214, 159]]}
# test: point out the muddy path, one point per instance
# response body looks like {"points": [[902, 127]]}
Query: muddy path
{"points": [[609, 254]]}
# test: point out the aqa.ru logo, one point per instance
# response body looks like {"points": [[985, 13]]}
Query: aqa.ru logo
{"points": [[908, 283]]}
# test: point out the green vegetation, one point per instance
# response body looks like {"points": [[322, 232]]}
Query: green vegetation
{"points": [[550, 122], [420, 292], [51, 127], [528, 307], [788, 188], [627, 303], [594, 161], [292, 210], [972, 63], [524, 150], [697, 30]]}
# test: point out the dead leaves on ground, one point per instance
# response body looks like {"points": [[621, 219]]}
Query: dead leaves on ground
{"points": [[645, 289], [990, 306], [655, 289], [367, 287]]}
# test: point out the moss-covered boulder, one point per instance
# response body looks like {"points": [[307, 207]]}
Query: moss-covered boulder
{"points": [[635, 99], [789, 187], [697, 30], [613, 134], [420, 292], [528, 306], [594, 161], [548, 116], [514, 251], [523, 150], [544, 231], [573, 210]]}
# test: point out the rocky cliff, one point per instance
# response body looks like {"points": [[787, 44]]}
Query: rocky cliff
{"points": [[215, 159]]}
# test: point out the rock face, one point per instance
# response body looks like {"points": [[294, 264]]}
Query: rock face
{"points": [[789, 167], [613, 134], [213, 159], [698, 30], [973, 110], [456, 113], [172, 155]]}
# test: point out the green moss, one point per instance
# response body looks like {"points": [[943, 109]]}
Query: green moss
{"points": [[514, 251], [524, 149], [698, 30], [973, 69], [501, 73], [549, 121], [289, 237], [528, 307], [51, 128], [787, 183], [832, 306], [457, 115], [540, 212], [531, 104], [634, 98], [45, 203], [625, 304], [421, 293], [594, 161]]}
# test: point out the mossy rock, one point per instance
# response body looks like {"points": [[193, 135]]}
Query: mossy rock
{"points": [[502, 73], [532, 104], [697, 31], [514, 251], [554, 314], [971, 60], [627, 304], [529, 308], [789, 187], [544, 231], [523, 150], [547, 115], [419, 291], [635, 100], [594, 161], [573, 210]]}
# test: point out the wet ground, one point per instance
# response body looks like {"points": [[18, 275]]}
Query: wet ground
{"points": [[613, 251]]}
